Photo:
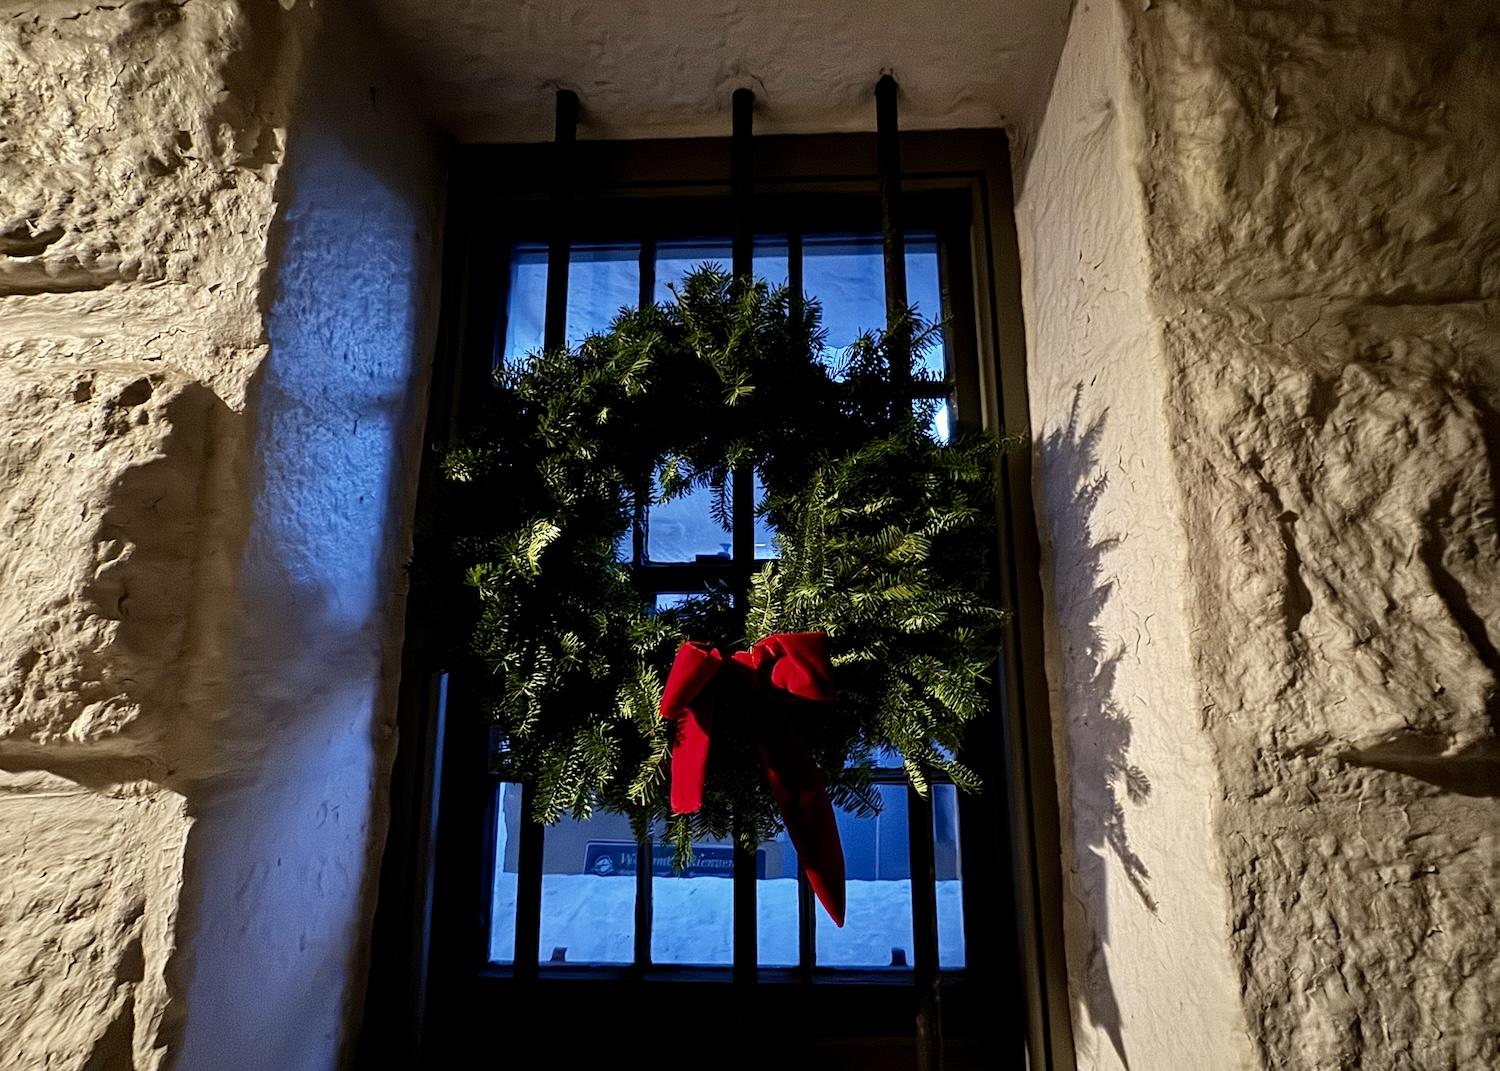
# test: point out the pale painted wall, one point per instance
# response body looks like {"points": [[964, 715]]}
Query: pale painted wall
{"points": [[210, 368], [1146, 909], [284, 851], [1265, 238]]}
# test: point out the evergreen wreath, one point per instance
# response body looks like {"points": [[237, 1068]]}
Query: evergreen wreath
{"points": [[885, 538]]}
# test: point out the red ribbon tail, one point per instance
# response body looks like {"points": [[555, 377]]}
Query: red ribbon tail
{"points": [[682, 701], [801, 794], [689, 763]]}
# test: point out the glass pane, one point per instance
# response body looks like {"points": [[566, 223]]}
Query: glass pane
{"points": [[776, 903], [877, 924], [946, 854], [684, 529], [525, 302], [924, 291], [669, 600], [602, 279], [507, 854], [846, 275], [692, 912], [890, 759], [588, 891], [943, 422], [675, 258], [771, 260], [765, 543]]}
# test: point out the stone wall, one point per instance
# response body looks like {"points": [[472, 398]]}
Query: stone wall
{"points": [[210, 369], [1319, 239]]}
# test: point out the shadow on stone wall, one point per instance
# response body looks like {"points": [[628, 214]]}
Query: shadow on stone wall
{"points": [[1101, 774]]}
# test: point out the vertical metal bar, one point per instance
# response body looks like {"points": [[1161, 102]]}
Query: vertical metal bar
{"points": [[743, 491], [742, 537], [554, 332], [807, 925], [528, 888], [794, 271], [888, 150], [924, 931], [565, 135], [918, 809], [741, 179], [645, 861], [645, 297], [807, 908], [644, 868]]}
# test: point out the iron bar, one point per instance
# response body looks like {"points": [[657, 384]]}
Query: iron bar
{"points": [[925, 966], [528, 887], [893, 236], [742, 505], [645, 862], [919, 810], [554, 333], [565, 136], [807, 925], [645, 865]]}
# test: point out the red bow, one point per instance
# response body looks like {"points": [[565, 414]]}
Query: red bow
{"points": [[778, 672]]}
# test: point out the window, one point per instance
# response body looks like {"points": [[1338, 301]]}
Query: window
{"points": [[610, 949], [678, 549]]}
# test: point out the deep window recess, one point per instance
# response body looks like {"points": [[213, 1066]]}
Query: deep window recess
{"points": [[580, 937]]}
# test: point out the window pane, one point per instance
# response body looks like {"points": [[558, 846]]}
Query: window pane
{"points": [[771, 260], [888, 758], [846, 274], [602, 279], [669, 600], [507, 854], [675, 258], [924, 291], [946, 854], [765, 543], [684, 529], [776, 903], [877, 924], [588, 891], [525, 302], [942, 422], [692, 912]]}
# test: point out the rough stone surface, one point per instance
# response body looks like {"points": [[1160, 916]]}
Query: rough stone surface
{"points": [[201, 433], [1325, 253], [138, 151], [667, 68], [89, 905], [1317, 251], [100, 511]]}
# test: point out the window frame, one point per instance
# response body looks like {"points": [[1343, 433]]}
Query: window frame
{"points": [[431, 942]]}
